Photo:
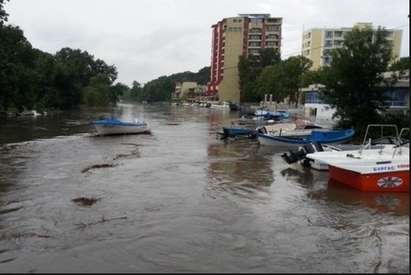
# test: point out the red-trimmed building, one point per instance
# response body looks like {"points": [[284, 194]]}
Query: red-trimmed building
{"points": [[235, 36]]}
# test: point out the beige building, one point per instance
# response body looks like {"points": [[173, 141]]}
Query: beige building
{"points": [[235, 36], [318, 42], [183, 88]]}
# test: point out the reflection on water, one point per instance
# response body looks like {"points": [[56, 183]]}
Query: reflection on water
{"points": [[181, 200], [240, 167]]}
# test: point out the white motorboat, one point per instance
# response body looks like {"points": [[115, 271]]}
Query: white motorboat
{"points": [[119, 127], [373, 170]]}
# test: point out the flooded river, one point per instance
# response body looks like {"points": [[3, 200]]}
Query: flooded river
{"points": [[180, 200]]}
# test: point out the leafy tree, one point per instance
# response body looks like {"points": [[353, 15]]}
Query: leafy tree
{"points": [[159, 89], [121, 89], [16, 65], [202, 77], [99, 92], [3, 14], [283, 79], [295, 68], [353, 81], [250, 67]]}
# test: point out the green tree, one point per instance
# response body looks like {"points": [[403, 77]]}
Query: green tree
{"points": [[159, 89], [99, 92], [353, 81], [283, 79], [16, 68], [250, 68], [295, 68], [3, 13]]}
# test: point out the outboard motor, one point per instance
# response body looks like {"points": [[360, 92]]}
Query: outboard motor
{"points": [[301, 152], [262, 130], [294, 156]]}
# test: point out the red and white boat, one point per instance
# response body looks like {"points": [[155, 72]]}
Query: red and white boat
{"points": [[372, 170]]}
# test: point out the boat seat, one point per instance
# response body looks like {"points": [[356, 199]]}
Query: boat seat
{"points": [[313, 147]]}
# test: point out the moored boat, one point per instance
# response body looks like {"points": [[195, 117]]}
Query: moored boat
{"points": [[118, 127], [300, 137], [237, 131], [371, 170]]}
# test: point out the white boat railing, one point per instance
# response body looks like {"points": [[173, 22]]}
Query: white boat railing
{"points": [[382, 126], [399, 146]]}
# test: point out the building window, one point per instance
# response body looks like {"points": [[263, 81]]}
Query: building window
{"points": [[256, 20], [338, 34], [272, 36], [255, 37], [273, 20], [272, 44], [396, 97], [328, 34], [328, 43], [254, 44], [255, 30], [272, 28], [338, 43], [312, 97]]}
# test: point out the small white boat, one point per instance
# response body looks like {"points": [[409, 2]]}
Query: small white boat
{"points": [[32, 113], [224, 105], [119, 127]]}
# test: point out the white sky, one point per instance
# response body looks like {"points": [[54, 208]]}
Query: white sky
{"points": [[149, 38]]}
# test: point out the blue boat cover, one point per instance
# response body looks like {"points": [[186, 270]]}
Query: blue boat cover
{"points": [[117, 122], [322, 137]]}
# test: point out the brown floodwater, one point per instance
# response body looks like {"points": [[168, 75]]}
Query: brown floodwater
{"points": [[180, 200]]}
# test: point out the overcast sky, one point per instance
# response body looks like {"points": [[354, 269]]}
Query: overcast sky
{"points": [[149, 38]]}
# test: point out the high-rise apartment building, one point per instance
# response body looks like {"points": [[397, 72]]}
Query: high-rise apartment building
{"points": [[235, 36], [318, 42]]}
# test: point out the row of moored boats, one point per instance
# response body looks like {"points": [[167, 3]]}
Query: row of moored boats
{"points": [[377, 165]]}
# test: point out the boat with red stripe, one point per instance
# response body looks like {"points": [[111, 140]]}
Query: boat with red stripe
{"points": [[385, 169]]}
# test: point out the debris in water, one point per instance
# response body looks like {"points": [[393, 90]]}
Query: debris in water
{"points": [[102, 220], [173, 124], [85, 201], [97, 166], [132, 144]]}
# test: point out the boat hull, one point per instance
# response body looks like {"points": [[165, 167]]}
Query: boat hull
{"points": [[105, 130], [302, 137], [395, 181], [270, 141], [234, 132]]}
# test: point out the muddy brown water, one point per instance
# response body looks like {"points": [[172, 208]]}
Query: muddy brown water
{"points": [[180, 200]]}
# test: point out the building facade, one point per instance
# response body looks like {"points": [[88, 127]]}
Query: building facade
{"points": [[397, 98], [318, 43], [183, 88], [233, 37]]}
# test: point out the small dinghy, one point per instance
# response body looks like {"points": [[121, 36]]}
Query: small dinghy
{"points": [[119, 127]]}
